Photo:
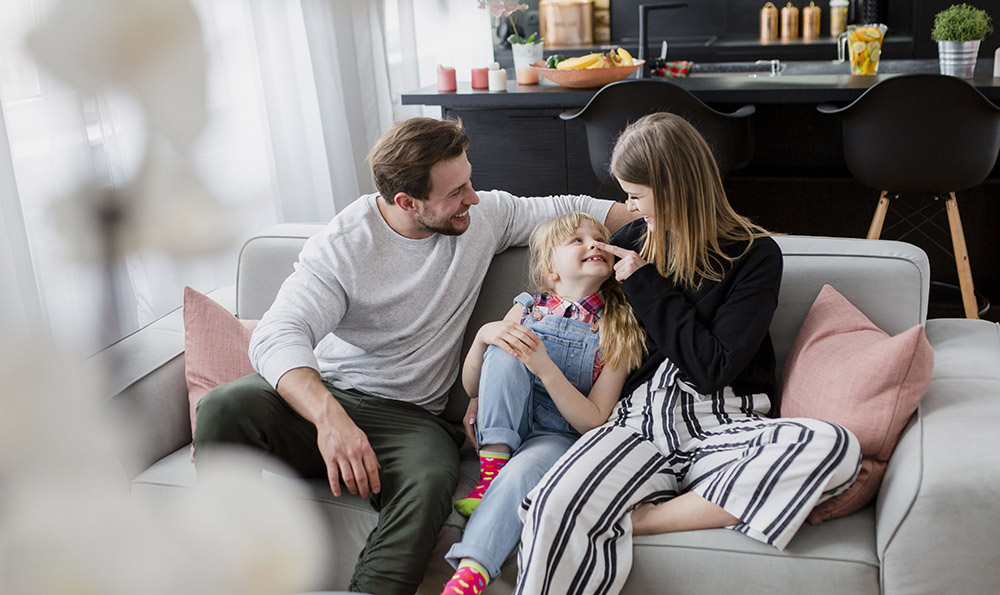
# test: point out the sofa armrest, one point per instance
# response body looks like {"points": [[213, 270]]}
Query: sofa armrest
{"points": [[939, 504], [144, 378]]}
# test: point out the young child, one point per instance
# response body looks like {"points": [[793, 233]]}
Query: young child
{"points": [[552, 369]]}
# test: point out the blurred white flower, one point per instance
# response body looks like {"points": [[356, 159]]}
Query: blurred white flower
{"points": [[50, 416], [150, 48], [166, 208], [174, 211], [69, 526], [262, 537], [77, 537]]}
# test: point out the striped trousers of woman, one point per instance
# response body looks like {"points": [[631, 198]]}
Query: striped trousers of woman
{"points": [[663, 440]]}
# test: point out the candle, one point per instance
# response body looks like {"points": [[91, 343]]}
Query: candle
{"points": [[526, 75], [446, 79], [996, 64], [498, 79], [480, 78]]}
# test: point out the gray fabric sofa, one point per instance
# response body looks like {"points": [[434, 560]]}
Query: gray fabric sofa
{"points": [[934, 528]]}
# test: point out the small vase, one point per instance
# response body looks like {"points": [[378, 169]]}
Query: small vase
{"points": [[958, 58], [526, 54]]}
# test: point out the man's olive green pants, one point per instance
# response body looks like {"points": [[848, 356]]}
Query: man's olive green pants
{"points": [[417, 450]]}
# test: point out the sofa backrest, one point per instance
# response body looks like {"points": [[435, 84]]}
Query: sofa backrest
{"points": [[888, 281]]}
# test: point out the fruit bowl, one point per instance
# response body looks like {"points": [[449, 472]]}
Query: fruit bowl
{"points": [[582, 78]]}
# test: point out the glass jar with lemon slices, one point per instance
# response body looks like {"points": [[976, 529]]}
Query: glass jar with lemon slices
{"points": [[865, 45]]}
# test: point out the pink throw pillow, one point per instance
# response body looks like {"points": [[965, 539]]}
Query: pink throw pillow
{"points": [[845, 370], [215, 346]]}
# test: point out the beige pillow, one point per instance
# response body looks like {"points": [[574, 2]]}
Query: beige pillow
{"points": [[845, 370]]}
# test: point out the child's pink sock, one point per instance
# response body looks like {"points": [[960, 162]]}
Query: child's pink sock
{"points": [[469, 579], [490, 463]]}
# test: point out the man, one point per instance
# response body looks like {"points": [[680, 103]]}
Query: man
{"points": [[356, 355]]}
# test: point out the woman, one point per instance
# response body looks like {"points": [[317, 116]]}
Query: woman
{"points": [[691, 445]]}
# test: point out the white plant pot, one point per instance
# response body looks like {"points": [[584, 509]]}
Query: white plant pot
{"points": [[958, 58], [526, 54]]}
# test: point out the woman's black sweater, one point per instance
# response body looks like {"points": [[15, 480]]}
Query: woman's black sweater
{"points": [[717, 334]]}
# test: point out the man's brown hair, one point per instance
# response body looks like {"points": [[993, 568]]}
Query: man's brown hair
{"points": [[402, 158]]}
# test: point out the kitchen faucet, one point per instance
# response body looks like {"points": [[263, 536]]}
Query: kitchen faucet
{"points": [[644, 10]]}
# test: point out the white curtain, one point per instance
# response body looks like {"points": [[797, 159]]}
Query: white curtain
{"points": [[421, 34], [297, 93]]}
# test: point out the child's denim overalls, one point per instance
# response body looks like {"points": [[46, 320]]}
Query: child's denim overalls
{"points": [[516, 410]]}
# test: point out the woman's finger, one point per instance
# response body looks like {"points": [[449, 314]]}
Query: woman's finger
{"points": [[616, 250]]}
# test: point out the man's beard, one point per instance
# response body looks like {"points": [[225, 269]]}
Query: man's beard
{"points": [[446, 227]]}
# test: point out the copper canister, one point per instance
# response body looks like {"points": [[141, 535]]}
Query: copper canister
{"points": [[768, 23], [810, 22], [566, 22], [789, 22]]}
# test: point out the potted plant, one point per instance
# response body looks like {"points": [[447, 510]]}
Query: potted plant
{"points": [[958, 31], [526, 51]]}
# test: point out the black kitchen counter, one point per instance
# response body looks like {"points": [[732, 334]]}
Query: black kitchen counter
{"points": [[803, 82], [797, 181]]}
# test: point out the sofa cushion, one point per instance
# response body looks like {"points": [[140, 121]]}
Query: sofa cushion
{"points": [[215, 346], [845, 370], [838, 557]]}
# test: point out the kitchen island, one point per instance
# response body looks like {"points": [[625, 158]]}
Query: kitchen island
{"points": [[797, 181]]}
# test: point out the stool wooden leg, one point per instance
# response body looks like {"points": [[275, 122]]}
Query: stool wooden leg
{"points": [[875, 231], [962, 259]]}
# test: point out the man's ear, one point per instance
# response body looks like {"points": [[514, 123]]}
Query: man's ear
{"points": [[404, 201]]}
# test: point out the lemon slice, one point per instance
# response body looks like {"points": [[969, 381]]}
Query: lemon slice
{"points": [[876, 53], [858, 47], [874, 46]]}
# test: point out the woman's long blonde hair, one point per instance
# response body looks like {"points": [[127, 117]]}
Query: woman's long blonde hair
{"points": [[622, 339], [666, 153]]}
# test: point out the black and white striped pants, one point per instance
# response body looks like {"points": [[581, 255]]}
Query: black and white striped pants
{"points": [[664, 440]]}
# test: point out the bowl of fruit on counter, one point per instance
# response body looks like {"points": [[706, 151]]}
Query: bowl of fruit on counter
{"points": [[593, 70]]}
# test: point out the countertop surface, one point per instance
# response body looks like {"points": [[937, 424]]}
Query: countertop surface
{"points": [[800, 82]]}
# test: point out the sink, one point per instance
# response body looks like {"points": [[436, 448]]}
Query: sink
{"points": [[751, 69]]}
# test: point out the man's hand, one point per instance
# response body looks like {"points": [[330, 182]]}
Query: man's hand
{"points": [[512, 337], [348, 457], [629, 261], [469, 420]]}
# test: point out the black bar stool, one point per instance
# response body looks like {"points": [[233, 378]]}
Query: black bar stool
{"points": [[926, 133], [617, 105]]}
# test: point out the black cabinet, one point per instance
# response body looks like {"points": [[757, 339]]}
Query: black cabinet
{"points": [[522, 151]]}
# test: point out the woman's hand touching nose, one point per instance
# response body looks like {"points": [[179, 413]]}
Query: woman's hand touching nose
{"points": [[628, 263]]}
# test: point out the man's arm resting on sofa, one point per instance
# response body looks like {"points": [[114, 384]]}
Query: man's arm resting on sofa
{"points": [[342, 444]]}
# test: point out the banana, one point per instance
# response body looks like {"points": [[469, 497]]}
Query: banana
{"points": [[579, 62], [597, 60]]}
